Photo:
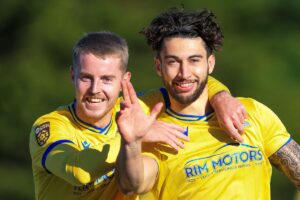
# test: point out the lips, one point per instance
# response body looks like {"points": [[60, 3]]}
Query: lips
{"points": [[184, 86], [94, 100]]}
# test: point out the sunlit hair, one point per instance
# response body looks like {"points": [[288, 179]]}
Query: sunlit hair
{"points": [[179, 23], [101, 44]]}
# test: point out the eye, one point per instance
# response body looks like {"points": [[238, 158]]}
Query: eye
{"points": [[171, 62], [195, 60], [107, 79], [85, 78]]}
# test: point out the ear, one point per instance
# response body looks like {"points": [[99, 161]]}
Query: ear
{"points": [[72, 74], [157, 64], [211, 63], [127, 76]]}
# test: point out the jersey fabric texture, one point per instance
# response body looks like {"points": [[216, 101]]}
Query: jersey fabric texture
{"points": [[212, 166]]}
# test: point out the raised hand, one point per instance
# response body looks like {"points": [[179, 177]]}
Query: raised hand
{"points": [[132, 122]]}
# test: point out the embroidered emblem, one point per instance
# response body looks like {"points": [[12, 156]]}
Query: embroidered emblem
{"points": [[42, 133]]}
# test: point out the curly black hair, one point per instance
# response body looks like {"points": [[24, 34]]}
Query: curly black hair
{"points": [[177, 22]]}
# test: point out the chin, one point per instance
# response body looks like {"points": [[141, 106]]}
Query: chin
{"points": [[95, 115]]}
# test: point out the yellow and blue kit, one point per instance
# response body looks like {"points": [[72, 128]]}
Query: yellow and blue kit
{"points": [[72, 159], [75, 160], [212, 166]]}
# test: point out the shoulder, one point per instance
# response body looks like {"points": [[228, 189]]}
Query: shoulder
{"points": [[254, 106], [150, 98], [61, 114], [55, 121]]}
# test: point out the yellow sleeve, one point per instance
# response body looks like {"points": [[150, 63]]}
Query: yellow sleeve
{"points": [[59, 153], [272, 129], [215, 86], [80, 167]]}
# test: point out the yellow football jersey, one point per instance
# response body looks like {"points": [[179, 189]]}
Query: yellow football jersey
{"points": [[77, 153], [212, 166], [75, 160]]}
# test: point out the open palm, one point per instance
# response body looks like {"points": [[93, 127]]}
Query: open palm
{"points": [[132, 122]]}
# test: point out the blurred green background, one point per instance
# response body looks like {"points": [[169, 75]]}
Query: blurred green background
{"points": [[260, 59]]}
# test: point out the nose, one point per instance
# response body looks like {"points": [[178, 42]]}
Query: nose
{"points": [[184, 70], [95, 86]]}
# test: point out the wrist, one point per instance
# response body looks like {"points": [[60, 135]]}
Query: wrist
{"points": [[218, 97], [135, 145]]}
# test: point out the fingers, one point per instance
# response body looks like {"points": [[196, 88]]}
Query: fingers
{"points": [[125, 91], [172, 129], [238, 122], [178, 134], [232, 131], [156, 110], [244, 113], [238, 125], [172, 126], [176, 144], [166, 133], [239, 118], [173, 141], [132, 93]]}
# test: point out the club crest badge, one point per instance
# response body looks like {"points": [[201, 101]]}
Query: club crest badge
{"points": [[42, 133]]}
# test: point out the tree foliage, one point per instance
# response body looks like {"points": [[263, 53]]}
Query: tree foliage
{"points": [[260, 59]]}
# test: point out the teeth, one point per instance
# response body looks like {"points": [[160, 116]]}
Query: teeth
{"points": [[184, 84], [95, 100]]}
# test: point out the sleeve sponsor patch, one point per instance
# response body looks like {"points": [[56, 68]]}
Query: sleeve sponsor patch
{"points": [[42, 133]]}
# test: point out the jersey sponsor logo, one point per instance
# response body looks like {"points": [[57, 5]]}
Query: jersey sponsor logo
{"points": [[42, 133], [99, 182], [105, 179], [226, 158]]}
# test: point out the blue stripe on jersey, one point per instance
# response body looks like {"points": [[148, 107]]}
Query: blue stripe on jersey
{"points": [[51, 146], [86, 125], [288, 141], [182, 117]]}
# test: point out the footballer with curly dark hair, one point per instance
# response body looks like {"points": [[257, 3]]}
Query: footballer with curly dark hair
{"points": [[212, 165], [180, 23]]}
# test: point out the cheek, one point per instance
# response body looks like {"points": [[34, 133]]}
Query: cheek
{"points": [[81, 87], [112, 90], [169, 74], [201, 70]]}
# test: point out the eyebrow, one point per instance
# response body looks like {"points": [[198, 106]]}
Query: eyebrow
{"points": [[103, 76], [192, 56], [108, 76], [196, 56]]}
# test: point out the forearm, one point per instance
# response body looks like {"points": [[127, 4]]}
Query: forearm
{"points": [[215, 86], [80, 167], [130, 168], [287, 160]]}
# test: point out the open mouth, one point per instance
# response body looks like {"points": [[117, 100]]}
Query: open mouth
{"points": [[94, 100], [184, 86]]}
